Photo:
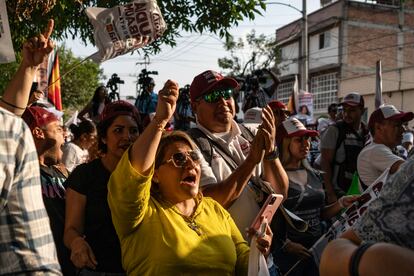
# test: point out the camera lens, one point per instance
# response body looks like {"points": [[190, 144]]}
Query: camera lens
{"points": [[272, 201]]}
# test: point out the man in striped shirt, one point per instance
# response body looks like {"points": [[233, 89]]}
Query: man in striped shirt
{"points": [[26, 242]]}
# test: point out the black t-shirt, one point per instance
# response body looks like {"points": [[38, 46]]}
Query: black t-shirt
{"points": [[53, 192], [91, 180], [306, 201]]}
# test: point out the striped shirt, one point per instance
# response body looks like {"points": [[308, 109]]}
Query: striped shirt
{"points": [[26, 241]]}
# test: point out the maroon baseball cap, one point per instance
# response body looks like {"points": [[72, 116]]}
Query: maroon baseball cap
{"points": [[353, 99], [278, 105], [36, 116], [388, 112], [207, 81], [119, 108]]}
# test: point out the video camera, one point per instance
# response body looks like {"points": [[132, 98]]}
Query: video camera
{"points": [[144, 76], [113, 85]]}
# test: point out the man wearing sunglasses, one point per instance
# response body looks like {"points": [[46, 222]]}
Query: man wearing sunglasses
{"points": [[236, 166]]}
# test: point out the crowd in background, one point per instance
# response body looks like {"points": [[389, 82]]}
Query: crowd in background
{"points": [[132, 191]]}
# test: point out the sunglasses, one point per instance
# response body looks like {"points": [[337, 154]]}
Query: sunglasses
{"points": [[215, 95], [180, 159]]}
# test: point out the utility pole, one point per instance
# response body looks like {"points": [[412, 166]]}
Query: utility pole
{"points": [[304, 53]]}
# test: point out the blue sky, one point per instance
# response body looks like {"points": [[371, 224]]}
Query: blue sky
{"points": [[194, 53]]}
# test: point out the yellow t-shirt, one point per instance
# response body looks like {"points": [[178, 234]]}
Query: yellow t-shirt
{"points": [[157, 240]]}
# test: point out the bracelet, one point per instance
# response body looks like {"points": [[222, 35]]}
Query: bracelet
{"points": [[12, 105], [160, 126], [273, 155], [356, 258]]}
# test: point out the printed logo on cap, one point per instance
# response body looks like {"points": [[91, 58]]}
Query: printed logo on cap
{"points": [[253, 115], [352, 97], [293, 125], [211, 76]]}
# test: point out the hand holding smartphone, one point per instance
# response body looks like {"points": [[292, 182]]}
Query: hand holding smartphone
{"points": [[268, 210]]}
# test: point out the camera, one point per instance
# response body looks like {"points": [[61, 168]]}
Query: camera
{"points": [[113, 85], [144, 76], [261, 78]]}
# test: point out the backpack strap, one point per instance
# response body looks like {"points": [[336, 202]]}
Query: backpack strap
{"points": [[206, 147], [246, 133]]}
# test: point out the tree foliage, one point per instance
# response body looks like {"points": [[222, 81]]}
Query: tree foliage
{"points": [[77, 87], [27, 17], [263, 54]]}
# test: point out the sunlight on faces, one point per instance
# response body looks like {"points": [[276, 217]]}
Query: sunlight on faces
{"points": [[215, 110], [177, 184], [53, 134], [120, 135]]}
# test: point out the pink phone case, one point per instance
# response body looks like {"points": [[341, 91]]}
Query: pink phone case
{"points": [[268, 210]]}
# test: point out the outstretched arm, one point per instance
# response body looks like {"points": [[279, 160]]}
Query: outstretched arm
{"points": [[35, 50], [142, 154]]}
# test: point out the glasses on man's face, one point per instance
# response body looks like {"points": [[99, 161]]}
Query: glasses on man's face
{"points": [[215, 95], [180, 159]]}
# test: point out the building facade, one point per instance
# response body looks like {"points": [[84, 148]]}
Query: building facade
{"points": [[345, 40]]}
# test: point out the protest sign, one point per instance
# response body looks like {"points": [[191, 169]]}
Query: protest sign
{"points": [[305, 108], [349, 217], [6, 45], [125, 28]]}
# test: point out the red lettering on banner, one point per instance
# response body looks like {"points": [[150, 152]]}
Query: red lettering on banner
{"points": [[129, 10]]}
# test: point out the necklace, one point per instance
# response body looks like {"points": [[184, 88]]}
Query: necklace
{"points": [[193, 225], [190, 220]]}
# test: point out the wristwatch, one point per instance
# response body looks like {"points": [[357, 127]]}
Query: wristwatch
{"points": [[273, 155]]}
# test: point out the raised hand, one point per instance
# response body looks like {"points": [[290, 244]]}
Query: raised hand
{"points": [[268, 129], [37, 48], [167, 100]]}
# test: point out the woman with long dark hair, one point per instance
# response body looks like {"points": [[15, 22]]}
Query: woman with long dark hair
{"points": [[95, 107], [89, 232]]}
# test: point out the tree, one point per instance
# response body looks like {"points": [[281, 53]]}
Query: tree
{"points": [[77, 86], [216, 16], [263, 54]]}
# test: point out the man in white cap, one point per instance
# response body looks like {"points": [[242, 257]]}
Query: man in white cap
{"points": [[386, 127], [340, 145]]}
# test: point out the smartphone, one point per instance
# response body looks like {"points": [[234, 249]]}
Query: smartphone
{"points": [[268, 210]]}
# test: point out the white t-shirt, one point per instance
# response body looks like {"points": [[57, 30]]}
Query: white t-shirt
{"points": [[73, 156], [373, 160], [245, 208]]}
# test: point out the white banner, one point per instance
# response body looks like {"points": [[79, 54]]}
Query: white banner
{"points": [[6, 45], [122, 29], [349, 217]]}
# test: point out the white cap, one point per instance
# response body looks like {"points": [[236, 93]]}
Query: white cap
{"points": [[407, 137], [253, 117]]}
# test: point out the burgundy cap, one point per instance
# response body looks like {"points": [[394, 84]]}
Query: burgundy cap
{"points": [[353, 99], [36, 116], [388, 112], [279, 105], [119, 108], [207, 81], [292, 127]]}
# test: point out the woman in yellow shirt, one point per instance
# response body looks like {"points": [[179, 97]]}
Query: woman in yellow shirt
{"points": [[165, 225]]}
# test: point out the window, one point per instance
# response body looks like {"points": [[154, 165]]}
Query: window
{"points": [[325, 91], [284, 91], [324, 40]]}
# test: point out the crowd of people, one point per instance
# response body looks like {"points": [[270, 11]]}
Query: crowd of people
{"points": [[129, 195]]}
